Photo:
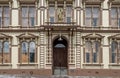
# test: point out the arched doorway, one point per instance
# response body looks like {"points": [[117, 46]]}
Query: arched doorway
{"points": [[60, 54]]}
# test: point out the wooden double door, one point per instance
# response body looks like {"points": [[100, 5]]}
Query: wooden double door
{"points": [[60, 61]]}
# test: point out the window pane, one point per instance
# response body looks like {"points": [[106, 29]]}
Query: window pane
{"points": [[24, 47], [6, 21], [88, 12], [94, 57], [24, 12], [0, 47], [88, 22], [0, 12], [6, 58], [51, 11], [87, 57], [114, 22], [32, 57], [0, 57], [113, 57], [0, 52], [52, 19], [69, 11], [32, 47], [6, 47], [88, 46], [32, 21], [96, 12], [68, 19], [24, 22], [6, 12], [32, 52], [95, 22], [114, 46], [0, 16], [119, 22], [32, 11], [114, 12]]}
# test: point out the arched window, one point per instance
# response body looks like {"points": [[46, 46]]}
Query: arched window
{"points": [[114, 47], [4, 52], [88, 49], [93, 52], [32, 51], [28, 52]]}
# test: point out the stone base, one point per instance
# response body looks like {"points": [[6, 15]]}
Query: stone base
{"points": [[71, 72]]}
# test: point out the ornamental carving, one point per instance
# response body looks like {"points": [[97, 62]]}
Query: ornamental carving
{"points": [[60, 14]]}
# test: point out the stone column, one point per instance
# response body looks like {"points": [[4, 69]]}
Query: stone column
{"points": [[15, 13], [105, 23]]}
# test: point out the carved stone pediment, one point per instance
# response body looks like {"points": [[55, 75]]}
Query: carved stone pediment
{"points": [[117, 36], [4, 36], [27, 35], [115, 1], [93, 36]]}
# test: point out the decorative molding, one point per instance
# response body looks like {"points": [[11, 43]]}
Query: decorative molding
{"points": [[93, 1], [27, 35], [5, 1], [114, 1], [4, 36], [93, 36], [117, 36], [28, 1]]}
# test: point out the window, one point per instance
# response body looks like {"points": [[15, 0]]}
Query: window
{"points": [[28, 52], [115, 16], [92, 52], [4, 16], [68, 14], [28, 14], [4, 52], [115, 52], [92, 16], [52, 14]]}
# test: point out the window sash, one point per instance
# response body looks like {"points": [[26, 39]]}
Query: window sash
{"points": [[92, 16], [92, 48], [115, 16], [29, 55], [28, 14], [87, 57], [4, 16]]}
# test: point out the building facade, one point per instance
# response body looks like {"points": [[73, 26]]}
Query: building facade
{"points": [[60, 37]]}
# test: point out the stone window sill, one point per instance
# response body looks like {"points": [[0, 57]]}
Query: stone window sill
{"points": [[92, 64], [34, 64], [5, 64], [114, 64]]}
